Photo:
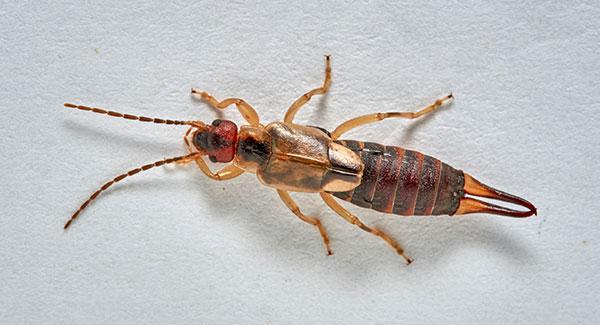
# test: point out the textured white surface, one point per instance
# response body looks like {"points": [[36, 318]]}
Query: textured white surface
{"points": [[171, 246]]}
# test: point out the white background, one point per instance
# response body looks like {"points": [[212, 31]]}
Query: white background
{"points": [[171, 246]]}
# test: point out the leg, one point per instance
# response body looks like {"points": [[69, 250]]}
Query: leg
{"points": [[245, 109], [291, 112], [370, 118], [287, 199], [228, 172], [330, 201]]}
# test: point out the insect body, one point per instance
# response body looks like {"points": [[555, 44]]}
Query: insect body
{"points": [[295, 158]]}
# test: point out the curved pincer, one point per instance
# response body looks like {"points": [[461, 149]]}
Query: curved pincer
{"points": [[473, 187]]}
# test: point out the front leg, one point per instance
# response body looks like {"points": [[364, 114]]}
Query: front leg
{"points": [[228, 172], [248, 113]]}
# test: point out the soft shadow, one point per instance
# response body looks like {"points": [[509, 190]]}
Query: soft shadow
{"points": [[448, 234], [275, 229], [319, 113], [322, 102], [219, 112], [432, 241], [415, 124], [122, 139]]}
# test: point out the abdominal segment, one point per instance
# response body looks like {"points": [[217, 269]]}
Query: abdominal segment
{"points": [[403, 182]]}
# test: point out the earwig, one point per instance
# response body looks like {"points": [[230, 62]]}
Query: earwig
{"points": [[295, 158]]}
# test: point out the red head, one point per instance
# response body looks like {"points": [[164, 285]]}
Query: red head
{"points": [[217, 140]]}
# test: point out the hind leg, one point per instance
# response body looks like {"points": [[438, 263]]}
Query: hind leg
{"points": [[370, 118], [330, 201]]}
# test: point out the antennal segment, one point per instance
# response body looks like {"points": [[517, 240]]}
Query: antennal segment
{"points": [[134, 117], [132, 172]]}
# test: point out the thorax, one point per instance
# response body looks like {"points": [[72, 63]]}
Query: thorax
{"points": [[297, 158]]}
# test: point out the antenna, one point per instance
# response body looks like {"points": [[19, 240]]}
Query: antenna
{"points": [[132, 172], [198, 124]]}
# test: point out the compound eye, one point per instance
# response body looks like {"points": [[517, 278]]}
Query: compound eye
{"points": [[217, 122], [201, 140], [212, 158]]}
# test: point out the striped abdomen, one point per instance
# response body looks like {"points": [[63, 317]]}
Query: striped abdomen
{"points": [[404, 182]]}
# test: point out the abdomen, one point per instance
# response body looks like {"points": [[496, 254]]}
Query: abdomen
{"points": [[403, 182]]}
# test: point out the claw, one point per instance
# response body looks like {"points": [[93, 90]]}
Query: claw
{"points": [[476, 188]]}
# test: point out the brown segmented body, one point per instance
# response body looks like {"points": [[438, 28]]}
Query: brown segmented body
{"points": [[403, 182]]}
